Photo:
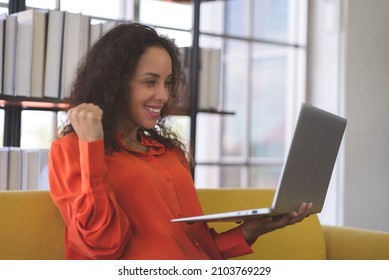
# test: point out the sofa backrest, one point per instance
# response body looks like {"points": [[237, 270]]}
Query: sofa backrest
{"points": [[304, 240], [31, 227]]}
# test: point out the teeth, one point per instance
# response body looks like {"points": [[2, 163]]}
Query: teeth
{"points": [[154, 110]]}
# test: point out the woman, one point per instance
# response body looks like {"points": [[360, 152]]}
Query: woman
{"points": [[118, 174]]}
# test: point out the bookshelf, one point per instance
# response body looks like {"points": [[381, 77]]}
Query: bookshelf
{"points": [[12, 112], [48, 95], [13, 105]]}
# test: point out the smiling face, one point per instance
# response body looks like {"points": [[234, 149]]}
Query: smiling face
{"points": [[149, 88]]}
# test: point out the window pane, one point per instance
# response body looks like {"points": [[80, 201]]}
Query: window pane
{"points": [[208, 137], [181, 126], [213, 176], [166, 14], [271, 19], [235, 88], [1, 127], [102, 8], [231, 176], [207, 176], [267, 126], [181, 38], [37, 129], [43, 4], [238, 18], [211, 42], [264, 176], [212, 17]]}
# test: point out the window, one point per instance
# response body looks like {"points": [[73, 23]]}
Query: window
{"points": [[38, 129], [46, 4], [3, 6], [106, 9], [170, 15], [263, 46]]}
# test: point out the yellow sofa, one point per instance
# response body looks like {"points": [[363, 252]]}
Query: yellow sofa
{"points": [[31, 228]]}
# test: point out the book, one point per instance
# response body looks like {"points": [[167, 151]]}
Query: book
{"points": [[53, 54], [14, 168], [214, 84], [108, 25], [204, 79], [34, 169], [30, 53], [2, 29], [24, 168], [38, 52], [4, 168], [11, 26], [95, 33], [85, 35], [43, 181], [23, 53], [75, 45], [209, 79]]}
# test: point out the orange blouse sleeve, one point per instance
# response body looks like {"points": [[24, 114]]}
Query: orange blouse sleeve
{"points": [[230, 243], [97, 226]]}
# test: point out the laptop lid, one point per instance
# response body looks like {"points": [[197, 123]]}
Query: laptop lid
{"points": [[307, 169]]}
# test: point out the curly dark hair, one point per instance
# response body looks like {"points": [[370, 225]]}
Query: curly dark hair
{"points": [[103, 75]]}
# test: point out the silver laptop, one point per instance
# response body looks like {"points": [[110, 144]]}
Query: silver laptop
{"points": [[306, 172]]}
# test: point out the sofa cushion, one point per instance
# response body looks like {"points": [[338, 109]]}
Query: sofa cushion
{"points": [[304, 240]]}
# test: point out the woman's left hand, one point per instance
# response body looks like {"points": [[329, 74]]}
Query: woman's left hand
{"points": [[253, 228]]}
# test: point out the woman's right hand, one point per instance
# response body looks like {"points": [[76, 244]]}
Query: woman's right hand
{"points": [[86, 120], [253, 228]]}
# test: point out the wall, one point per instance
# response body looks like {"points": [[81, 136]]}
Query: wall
{"points": [[366, 95], [348, 74], [323, 80]]}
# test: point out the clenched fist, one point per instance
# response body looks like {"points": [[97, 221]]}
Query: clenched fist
{"points": [[86, 121]]}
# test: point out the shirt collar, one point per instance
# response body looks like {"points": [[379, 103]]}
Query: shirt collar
{"points": [[155, 148]]}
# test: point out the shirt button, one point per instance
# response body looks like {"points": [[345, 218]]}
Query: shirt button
{"points": [[168, 178], [197, 244]]}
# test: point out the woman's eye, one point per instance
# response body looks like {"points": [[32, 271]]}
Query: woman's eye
{"points": [[150, 83], [168, 83]]}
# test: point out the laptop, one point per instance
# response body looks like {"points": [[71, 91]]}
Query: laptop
{"points": [[306, 171]]}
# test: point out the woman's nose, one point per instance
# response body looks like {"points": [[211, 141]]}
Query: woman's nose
{"points": [[163, 94]]}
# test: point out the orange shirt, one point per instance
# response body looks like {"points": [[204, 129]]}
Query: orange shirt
{"points": [[120, 206]]}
